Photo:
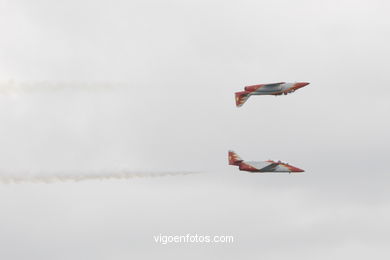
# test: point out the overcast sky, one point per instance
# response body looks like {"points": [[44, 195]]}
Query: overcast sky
{"points": [[89, 86]]}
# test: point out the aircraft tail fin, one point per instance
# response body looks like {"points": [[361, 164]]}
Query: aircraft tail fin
{"points": [[234, 159], [241, 98]]}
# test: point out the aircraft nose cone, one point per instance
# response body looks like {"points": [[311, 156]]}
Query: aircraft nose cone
{"points": [[296, 169], [301, 84]]}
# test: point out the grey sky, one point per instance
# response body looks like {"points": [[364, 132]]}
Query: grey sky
{"points": [[171, 68]]}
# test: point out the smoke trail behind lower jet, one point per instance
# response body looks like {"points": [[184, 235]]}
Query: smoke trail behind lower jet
{"points": [[45, 178]]}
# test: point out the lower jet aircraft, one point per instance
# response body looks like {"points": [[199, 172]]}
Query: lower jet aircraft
{"points": [[261, 166], [267, 89]]}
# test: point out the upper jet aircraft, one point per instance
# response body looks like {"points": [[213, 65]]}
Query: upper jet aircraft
{"points": [[261, 166], [267, 89]]}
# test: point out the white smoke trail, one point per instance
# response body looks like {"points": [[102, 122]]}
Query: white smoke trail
{"points": [[44, 178], [14, 88]]}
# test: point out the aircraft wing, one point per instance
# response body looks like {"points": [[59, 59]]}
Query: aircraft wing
{"points": [[258, 87], [269, 168]]}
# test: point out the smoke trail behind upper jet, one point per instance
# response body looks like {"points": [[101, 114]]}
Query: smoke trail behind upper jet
{"points": [[14, 87]]}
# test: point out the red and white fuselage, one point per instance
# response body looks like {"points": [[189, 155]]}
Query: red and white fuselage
{"points": [[267, 89], [260, 166]]}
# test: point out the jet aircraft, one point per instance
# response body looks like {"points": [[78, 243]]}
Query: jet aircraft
{"points": [[267, 89], [261, 166]]}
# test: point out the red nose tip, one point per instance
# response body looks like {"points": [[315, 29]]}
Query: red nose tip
{"points": [[296, 169], [301, 84]]}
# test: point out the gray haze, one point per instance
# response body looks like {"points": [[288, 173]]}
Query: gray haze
{"points": [[148, 86]]}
